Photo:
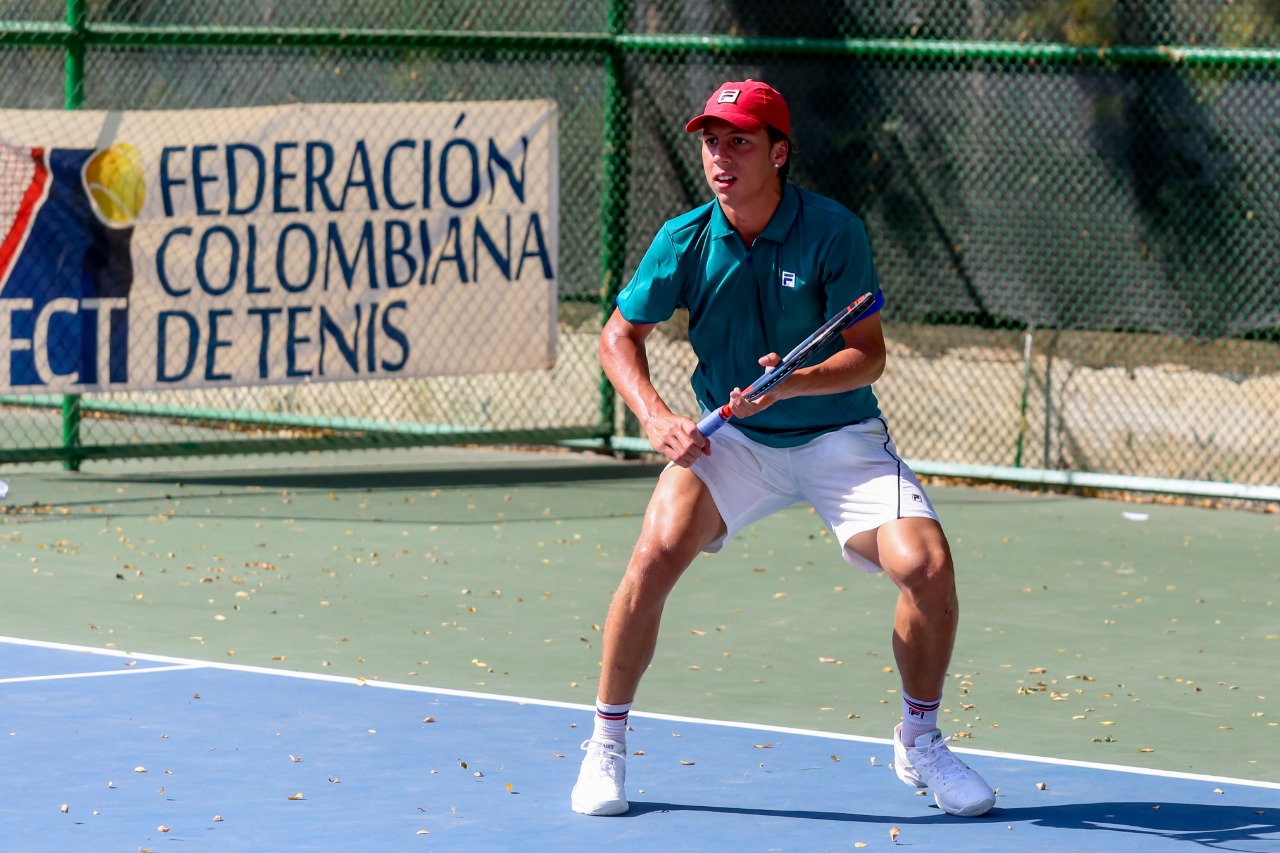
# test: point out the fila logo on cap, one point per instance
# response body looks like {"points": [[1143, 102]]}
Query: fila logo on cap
{"points": [[728, 96], [788, 279]]}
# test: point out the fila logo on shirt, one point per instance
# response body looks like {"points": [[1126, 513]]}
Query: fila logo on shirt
{"points": [[728, 96], [788, 279]]}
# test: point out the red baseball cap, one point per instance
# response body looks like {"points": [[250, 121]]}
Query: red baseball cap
{"points": [[749, 105]]}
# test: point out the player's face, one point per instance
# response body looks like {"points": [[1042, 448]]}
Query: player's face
{"points": [[739, 164]]}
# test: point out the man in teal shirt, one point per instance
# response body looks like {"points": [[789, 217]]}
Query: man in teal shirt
{"points": [[810, 261], [759, 268]]}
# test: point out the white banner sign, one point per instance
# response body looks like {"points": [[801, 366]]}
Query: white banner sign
{"points": [[276, 245]]}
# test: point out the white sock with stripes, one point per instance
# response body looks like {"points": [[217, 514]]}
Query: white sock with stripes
{"points": [[611, 723], [918, 718]]}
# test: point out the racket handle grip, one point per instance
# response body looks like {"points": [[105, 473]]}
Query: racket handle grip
{"points": [[713, 420]]}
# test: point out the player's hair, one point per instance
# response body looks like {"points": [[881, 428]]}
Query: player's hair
{"points": [[776, 136]]}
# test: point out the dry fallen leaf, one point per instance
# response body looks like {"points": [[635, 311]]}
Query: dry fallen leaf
{"points": [[687, 763], [297, 796], [163, 828], [1040, 786], [65, 808], [217, 818], [894, 832]]}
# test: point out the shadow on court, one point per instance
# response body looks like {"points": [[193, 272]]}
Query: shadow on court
{"points": [[472, 475], [1204, 825]]}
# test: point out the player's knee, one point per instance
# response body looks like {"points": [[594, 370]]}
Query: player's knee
{"points": [[928, 574], [654, 570]]}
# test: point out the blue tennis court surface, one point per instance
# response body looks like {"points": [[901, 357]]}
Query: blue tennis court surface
{"points": [[110, 751]]}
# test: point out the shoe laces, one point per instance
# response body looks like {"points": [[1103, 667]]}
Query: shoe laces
{"points": [[942, 761], [607, 761]]}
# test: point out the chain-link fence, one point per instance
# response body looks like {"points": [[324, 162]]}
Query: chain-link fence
{"points": [[1073, 206]]}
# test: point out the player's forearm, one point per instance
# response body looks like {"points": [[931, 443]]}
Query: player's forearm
{"points": [[845, 371], [626, 364]]}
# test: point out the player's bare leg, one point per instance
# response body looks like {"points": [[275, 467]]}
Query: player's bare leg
{"points": [[915, 554], [680, 521]]}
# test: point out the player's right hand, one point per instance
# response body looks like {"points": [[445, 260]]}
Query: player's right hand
{"points": [[677, 438]]}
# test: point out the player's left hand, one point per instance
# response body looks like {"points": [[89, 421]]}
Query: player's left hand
{"points": [[744, 408]]}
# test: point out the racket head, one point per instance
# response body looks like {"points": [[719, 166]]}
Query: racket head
{"points": [[820, 338], [803, 351]]}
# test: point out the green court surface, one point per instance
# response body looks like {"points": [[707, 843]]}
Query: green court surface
{"points": [[1141, 635]]}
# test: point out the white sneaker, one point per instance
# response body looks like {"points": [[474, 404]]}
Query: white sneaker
{"points": [[604, 771], [957, 789]]}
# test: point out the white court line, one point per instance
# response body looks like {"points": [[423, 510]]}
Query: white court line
{"points": [[66, 675], [190, 663]]}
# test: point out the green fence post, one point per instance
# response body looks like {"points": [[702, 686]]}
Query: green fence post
{"points": [[617, 182], [73, 99], [1028, 344]]}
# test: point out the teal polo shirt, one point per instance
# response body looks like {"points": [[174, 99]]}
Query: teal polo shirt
{"points": [[812, 260]]}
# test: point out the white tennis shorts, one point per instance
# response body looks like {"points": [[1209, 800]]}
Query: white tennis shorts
{"points": [[852, 477]]}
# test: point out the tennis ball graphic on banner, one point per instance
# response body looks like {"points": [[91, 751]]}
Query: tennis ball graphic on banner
{"points": [[116, 183]]}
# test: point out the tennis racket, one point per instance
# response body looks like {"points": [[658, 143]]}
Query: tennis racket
{"points": [[805, 350]]}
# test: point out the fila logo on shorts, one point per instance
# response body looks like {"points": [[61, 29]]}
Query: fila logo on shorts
{"points": [[728, 96], [788, 279]]}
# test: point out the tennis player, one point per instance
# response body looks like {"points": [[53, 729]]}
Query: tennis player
{"points": [[759, 268]]}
